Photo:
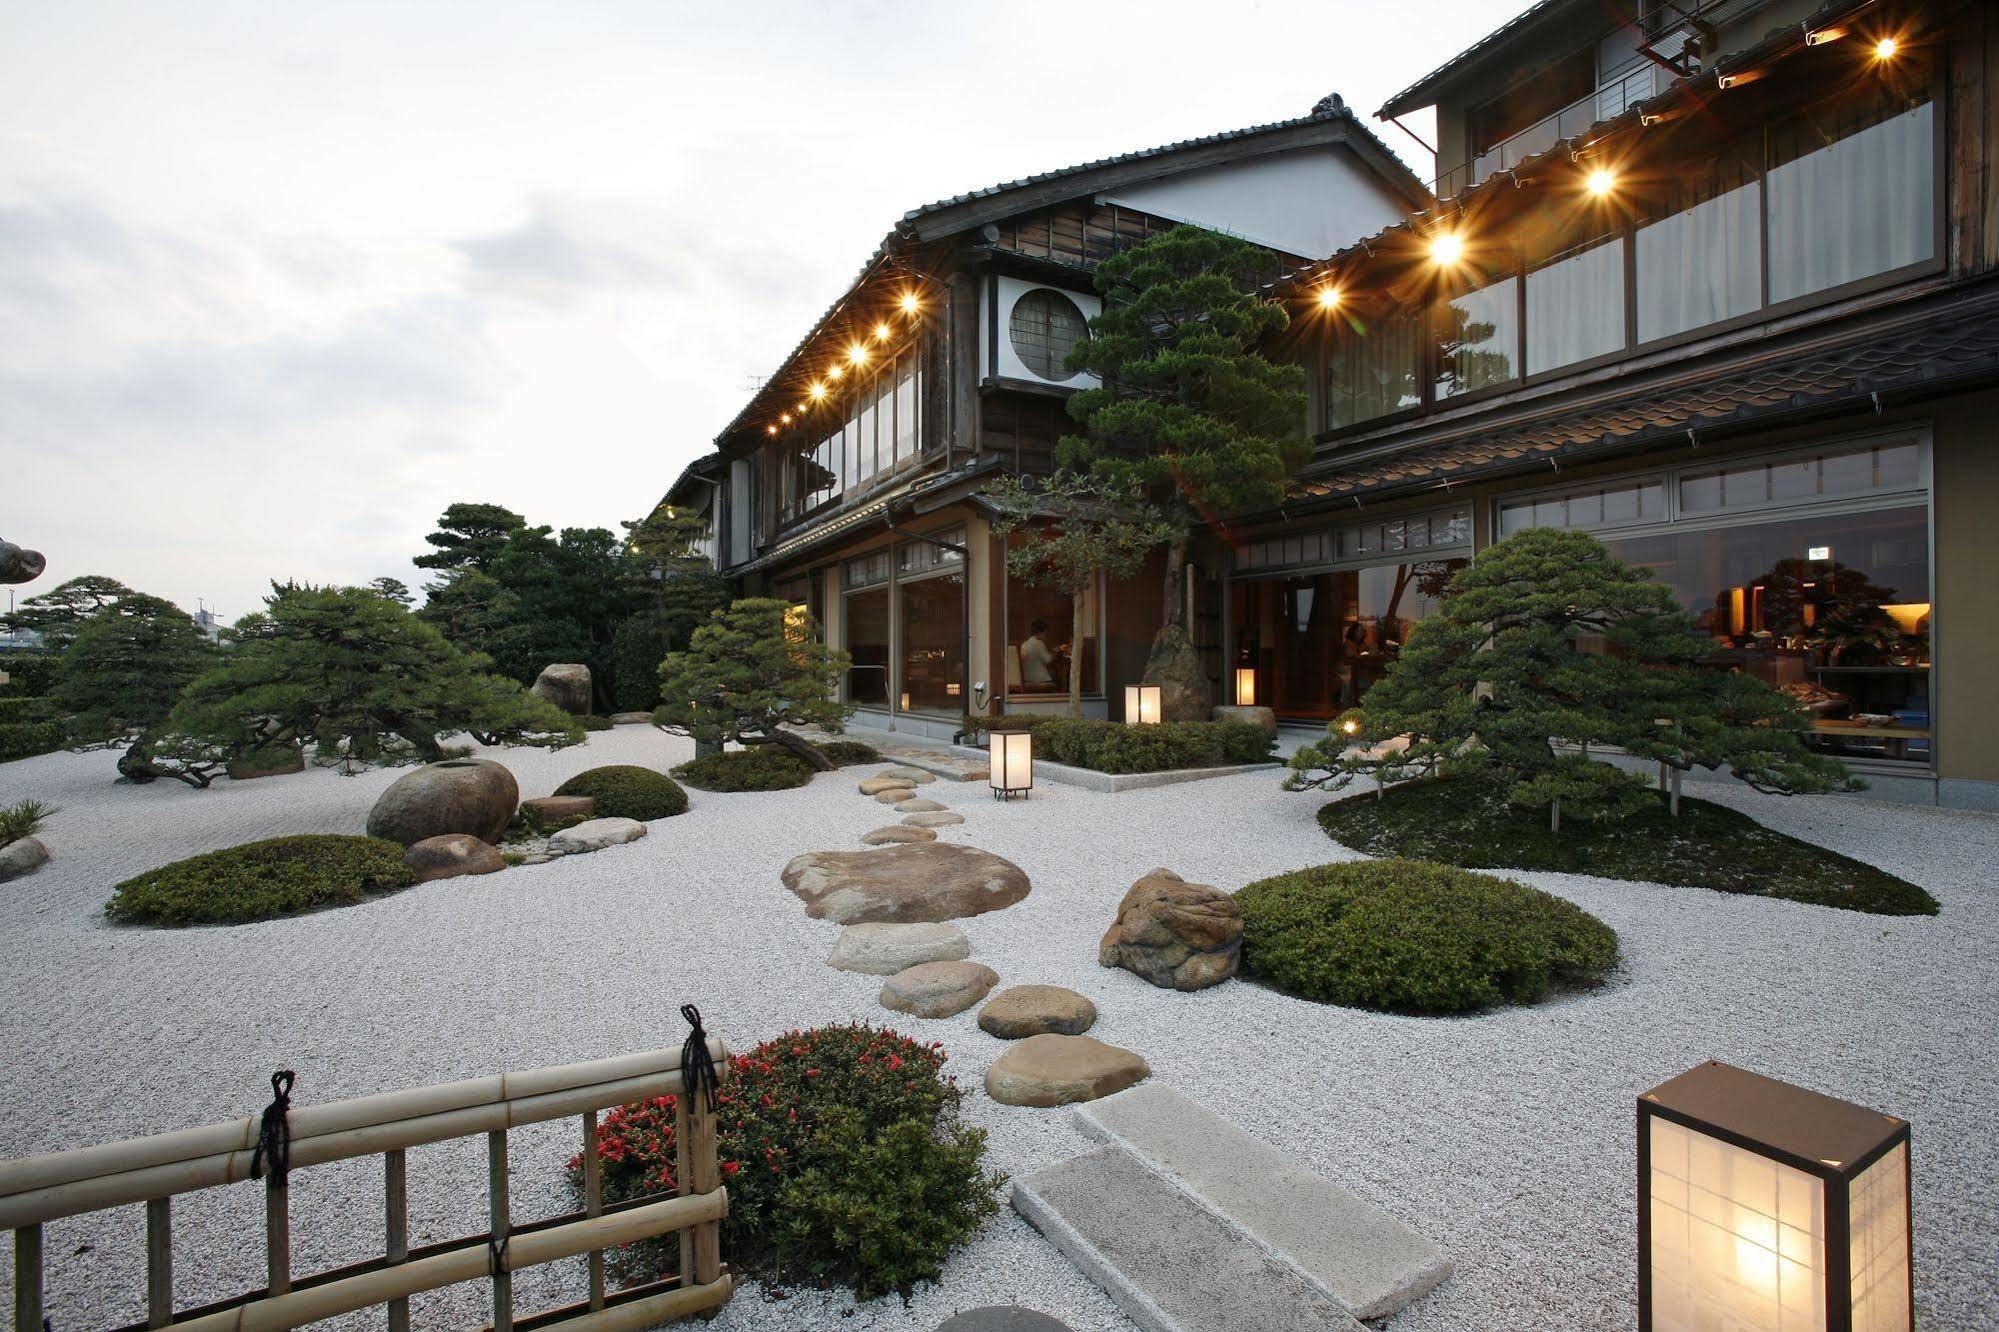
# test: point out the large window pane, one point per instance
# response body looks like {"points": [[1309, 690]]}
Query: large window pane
{"points": [[867, 641], [1043, 648], [1700, 265], [1478, 337], [933, 644], [1371, 371], [1860, 205], [1575, 307], [907, 388]]}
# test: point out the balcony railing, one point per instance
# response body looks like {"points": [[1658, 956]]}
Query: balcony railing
{"points": [[1633, 82]]}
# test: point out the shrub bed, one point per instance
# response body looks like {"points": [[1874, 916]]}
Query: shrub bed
{"points": [[763, 768], [846, 753], [626, 791], [592, 722], [19, 740], [1107, 746], [281, 876], [1410, 936], [1460, 822], [843, 1154]]}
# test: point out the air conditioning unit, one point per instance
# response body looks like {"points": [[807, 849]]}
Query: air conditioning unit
{"points": [[1034, 328]]}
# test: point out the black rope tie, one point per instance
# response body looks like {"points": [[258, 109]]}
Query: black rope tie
{"points": [[274, 1134], [697, 1066]]}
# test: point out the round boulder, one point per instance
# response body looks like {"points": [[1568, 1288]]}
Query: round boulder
{"points": [[913, 881], [565, 684], [938, 989], [1055, 1070], [1175, 934], [451, 855], [897, 833], [878, 949], [465, 795], [22, 857], [1020, 1011]]}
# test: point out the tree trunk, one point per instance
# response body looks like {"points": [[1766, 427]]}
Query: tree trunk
{"points": [[1175, 605], [1673, 801], [799, 746], [1076, 654], [1555, 818]]}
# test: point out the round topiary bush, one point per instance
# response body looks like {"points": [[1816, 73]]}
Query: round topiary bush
{"points": [[281, 876], [1408, 935], [761, 769], [843, 1154], [626, 791]]}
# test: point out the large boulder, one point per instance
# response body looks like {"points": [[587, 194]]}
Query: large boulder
{"points": [[1055, 1070], [938, 989], [1178, 935], [1263, 718], [464, 795], [1175, 666], [565, 684], [912, 881], [451, 855], [878, 949], [21, 857], [595, 835], [1020, 1011]]}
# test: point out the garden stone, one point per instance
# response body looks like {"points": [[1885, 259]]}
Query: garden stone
{"points": [[1055, 1070], [465, 795], [879, 949], [898, 833], [1032, 1010], [1175, 666], [916, 881], [631, 719], [938, 989], [919, 805], [977, 775], [895, 795], [1175, 934], [877, 785], [451, 855], [1264, 719], [565, 684], [537, 858], [553, 812], [1002, 1318], [914, 775], [22, 857], [595, 835], [935, 818]]}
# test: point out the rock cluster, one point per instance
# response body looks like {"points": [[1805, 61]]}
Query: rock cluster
{"points": [[1175, 934]]}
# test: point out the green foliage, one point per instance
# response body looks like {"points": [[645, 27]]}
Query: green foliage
{"points": [[844, 1157], [124, 669], [846, 753], [469, 536], [19, 740], [1548, 638], [595, 723], [27, 710], [626, 791], [1407, 935], [1708, 846], [760, 769], [29, 674], [357, 675], [1106, 746], [476, 614], [638, 646], [747, 674], [261, 880], [58, 613], [23, 818], [396, 590]]}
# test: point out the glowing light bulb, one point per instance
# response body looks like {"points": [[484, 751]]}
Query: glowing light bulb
{"points": [[857, 353], [1601, 182], [1447, 247], [770, 430], [1329, 298], [1885, 48], [785, 419], [835, 372], [1350, 727], [881, 332], [909, 302], [818, 390]]}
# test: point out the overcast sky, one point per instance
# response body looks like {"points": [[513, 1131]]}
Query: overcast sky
{"points": [[279, 281]]}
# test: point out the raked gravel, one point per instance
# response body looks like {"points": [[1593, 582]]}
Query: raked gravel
{"points": [[1507, 1137]]}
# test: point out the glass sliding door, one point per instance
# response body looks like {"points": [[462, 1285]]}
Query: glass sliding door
{"points": [[933, 644]]}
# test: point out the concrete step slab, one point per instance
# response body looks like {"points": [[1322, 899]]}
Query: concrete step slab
{"points": [[1358, 1255], [1169, 1263]]}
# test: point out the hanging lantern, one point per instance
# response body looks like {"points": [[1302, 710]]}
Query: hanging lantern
{"points": [[1141, 705], [1767, 1206], [1245, 686], [1010, 757]]}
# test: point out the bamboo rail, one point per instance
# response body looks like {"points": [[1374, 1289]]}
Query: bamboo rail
{"points": [[35, 1190]]}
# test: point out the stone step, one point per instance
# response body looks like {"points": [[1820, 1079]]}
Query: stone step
{"points": [[1367, 1261], [1171, 1264]]}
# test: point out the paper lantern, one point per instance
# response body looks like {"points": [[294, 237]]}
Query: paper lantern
{"points": [[1769, 1207], [1245, 686], [1141, 705], [1010, 760]]}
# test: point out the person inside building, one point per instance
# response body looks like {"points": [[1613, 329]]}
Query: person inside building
{"points": [[1037, 659]]}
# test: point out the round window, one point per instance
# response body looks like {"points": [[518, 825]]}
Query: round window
{"points": [[1046, 326]]}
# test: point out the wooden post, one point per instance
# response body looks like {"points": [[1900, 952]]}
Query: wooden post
{"points": [[28, 1279], [706, 1178], [277, 1237], [683, 1179], [159, 1262], [593, 1202], [395, 1178], [503, 1277]]}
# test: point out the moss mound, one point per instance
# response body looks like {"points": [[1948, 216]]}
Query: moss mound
{"points": [[281, 876], [1464, 823], [625, 791], [761, 769], [1410, 936], [846, 753]]}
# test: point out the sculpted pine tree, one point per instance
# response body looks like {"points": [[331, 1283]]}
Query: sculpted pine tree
{"points": [[59, 613], [120, 676], [1188, 411], [1548, 645], [748, 673]]}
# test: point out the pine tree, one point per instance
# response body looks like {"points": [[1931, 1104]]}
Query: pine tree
{"points": [[59, 613], [121, 675], [752, 670]]}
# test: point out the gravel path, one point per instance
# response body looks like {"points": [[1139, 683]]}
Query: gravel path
{"points": [[1507, 1137]]}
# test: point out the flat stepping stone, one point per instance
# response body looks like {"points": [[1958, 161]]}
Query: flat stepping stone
{"points": [[1021, 1011], [595, 835], [938, 989], [1365, 1260], [1055, 1070], [879, 949], [450, 855], [876, 785], [914, 775], [921, 805], [1168, 1262], [1002, 1318], [895, 832], [896, 795], [935, 818], [631, 719], [910, 881]]}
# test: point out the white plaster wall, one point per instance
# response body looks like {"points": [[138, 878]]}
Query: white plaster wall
{"points": [[1003, 361], [1308, 201]]}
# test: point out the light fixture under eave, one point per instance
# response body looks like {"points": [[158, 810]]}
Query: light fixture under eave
{"points": [[1821, 36], [834, 374], [910, 302], [1329, 297], [770, 430], [818, 390], [1447, 247], [857, 354], [881, 332], [1886, 48], [1601, 182]]}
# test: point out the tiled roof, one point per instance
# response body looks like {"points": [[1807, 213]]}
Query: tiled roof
{"points": [[1402, 101], [1943, 348]]}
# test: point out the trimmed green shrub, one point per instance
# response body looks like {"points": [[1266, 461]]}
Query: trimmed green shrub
{"points": [[1410, 936], [592, 722], [846, 753], [29, 674], [17, 710], [1107, 746], [281, 876], [626, 791], [21, 740], [843, 1154], [763, 768], [23, 818]]}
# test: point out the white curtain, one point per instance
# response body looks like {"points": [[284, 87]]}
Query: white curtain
{"points": [[1699, 266], [1575, 307], [1861, 206]]}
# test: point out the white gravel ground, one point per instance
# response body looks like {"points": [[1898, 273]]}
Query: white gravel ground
{"points": [[1507, 1137]]}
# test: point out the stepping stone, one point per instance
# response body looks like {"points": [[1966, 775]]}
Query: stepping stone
{"points": [[559, 811], [919, 805], [882, 950], [1055, 1070], [1359, 1256], [895, 795], [450, 855], [976, 775], [938, 989], [595, 835], [936, 818], [631, 719], [876, 785], [915, 775], [1002, 1318], [897, 833], [911, 881], [1033, 1010], [1168, 1262]]}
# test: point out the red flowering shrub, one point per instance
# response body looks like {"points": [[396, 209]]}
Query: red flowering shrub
{"points": [[842, 1153]]}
